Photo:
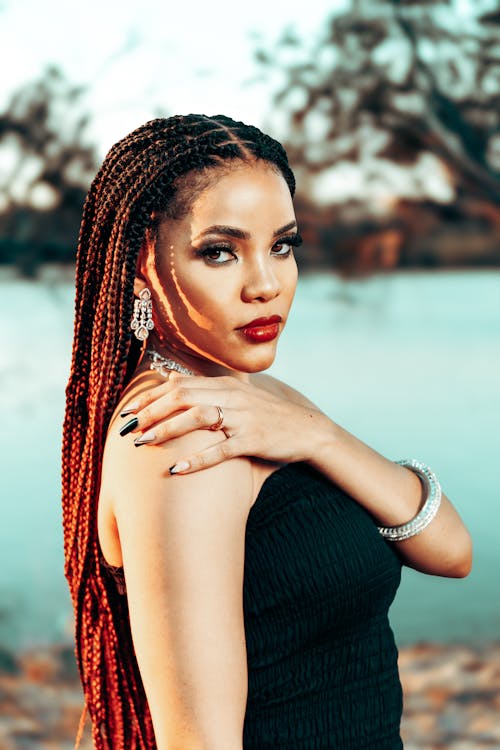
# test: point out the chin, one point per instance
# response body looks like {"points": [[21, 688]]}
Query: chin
{"points": [[250, 359], [255, 363]]}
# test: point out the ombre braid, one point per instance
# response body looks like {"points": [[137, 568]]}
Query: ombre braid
{"points": [[150, 172]]}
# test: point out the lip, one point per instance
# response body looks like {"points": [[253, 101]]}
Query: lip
{"points": [[260, 322], [261, 330]]}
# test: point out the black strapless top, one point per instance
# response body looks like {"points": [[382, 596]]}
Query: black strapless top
{"points": [[318, 583]]}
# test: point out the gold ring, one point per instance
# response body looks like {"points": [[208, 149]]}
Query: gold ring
{"points": [[217, 425]]}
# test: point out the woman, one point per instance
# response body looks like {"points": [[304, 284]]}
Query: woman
{"points": [[245, 605]]}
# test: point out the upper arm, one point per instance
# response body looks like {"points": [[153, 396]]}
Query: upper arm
{"points": [[182, 541]]}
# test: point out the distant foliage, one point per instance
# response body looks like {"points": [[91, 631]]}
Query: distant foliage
{"points": [[394, 86], [47, 167]]}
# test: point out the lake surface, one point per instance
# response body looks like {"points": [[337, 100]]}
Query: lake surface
{"points": [[409, 362]]}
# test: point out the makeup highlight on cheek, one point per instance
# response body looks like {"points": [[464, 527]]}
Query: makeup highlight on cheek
{"points": [[165, 302], [198, 319]]}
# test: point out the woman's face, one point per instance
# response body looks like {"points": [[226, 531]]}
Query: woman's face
{"points": [[223, 266]]}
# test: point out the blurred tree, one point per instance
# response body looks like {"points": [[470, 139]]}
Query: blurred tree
{"points": [[47, 166], [396, 100]]}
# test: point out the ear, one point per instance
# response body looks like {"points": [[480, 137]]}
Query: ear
{"points": [[146, 253], [139, 285]]}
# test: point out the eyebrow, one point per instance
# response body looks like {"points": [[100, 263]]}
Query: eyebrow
{"points": [[240, 234]]}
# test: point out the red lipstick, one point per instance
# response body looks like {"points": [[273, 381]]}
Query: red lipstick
{"points": [[262, 329]]}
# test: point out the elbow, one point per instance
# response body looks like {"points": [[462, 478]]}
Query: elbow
{"points": [[179, 742], [188, 736], [461, 562], [200, 744], [462, 568], [447, 557]]}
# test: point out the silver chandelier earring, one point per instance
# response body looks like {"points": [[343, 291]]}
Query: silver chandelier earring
{"points": [[142, 319]]}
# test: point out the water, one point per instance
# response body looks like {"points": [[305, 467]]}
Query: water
{"points": [[409, 363]]}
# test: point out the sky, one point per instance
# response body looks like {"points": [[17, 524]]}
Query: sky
{"points": [[183, 56], [180, 57], [141, 59]]}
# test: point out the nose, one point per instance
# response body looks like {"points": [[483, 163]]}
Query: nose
{"points": [[261, 282]]}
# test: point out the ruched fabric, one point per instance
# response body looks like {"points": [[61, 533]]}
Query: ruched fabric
{"points": [[318, 583]]}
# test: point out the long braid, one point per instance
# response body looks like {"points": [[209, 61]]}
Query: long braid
{"points": [[143, 174]]}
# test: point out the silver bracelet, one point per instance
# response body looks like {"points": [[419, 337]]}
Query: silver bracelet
{"points": [[428, 510]]}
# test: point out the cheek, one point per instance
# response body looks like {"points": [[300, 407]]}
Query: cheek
{"points": [[290, 279], [195, 301]]}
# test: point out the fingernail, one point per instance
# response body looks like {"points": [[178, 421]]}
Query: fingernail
{"points": [[128, 410], [129, 426], [147, 437], [181, 466]]}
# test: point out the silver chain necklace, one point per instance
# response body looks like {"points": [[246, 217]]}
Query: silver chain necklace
{"points": [[164, 365]]}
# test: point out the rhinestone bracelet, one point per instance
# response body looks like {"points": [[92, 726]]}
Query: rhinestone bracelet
{"points": [[428, 510]]}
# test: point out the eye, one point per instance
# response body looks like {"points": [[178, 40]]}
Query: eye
{"points": [[284, 246], [216, 255]]}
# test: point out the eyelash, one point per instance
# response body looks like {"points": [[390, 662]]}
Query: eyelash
{"points": [[293, 240]]}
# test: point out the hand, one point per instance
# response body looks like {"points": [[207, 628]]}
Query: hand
{"points": [[256, 422]]}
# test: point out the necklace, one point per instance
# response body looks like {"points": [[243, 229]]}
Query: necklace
{"points": [[164, 365]]}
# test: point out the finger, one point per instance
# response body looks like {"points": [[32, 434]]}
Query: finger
{"points": [[175, 379], [199, 417], [146, 398], [210, 457], [228, 386], [181, 398]]}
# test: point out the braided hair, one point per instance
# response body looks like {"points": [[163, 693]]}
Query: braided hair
{"points": [[155, 170]]}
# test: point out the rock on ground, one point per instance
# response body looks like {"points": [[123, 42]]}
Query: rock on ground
{"points": [[452, 699]]}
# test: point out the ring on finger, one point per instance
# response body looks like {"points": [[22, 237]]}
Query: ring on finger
{"points": [[220, 419]]}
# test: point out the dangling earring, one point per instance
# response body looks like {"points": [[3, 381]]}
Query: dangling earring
{"points": [[142, 320]]}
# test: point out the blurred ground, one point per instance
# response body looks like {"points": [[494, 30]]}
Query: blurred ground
{"points": [[452, 699]]}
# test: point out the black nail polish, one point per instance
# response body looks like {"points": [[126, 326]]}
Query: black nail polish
{"points": [[126, 412], [139, 441], [129, 426]]}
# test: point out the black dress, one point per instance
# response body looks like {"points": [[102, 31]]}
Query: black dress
{"points": [[319, 580], [318, 583]]}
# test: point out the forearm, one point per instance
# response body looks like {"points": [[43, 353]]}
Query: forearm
{"points": [[393, 494]]}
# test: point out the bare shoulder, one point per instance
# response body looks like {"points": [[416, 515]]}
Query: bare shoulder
{"points": [[139, 493], [126, 464], [144, 470], [279, 388]]}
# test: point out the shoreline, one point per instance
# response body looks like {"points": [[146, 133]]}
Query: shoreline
{"points": [[51, 272], [451, 697]]}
